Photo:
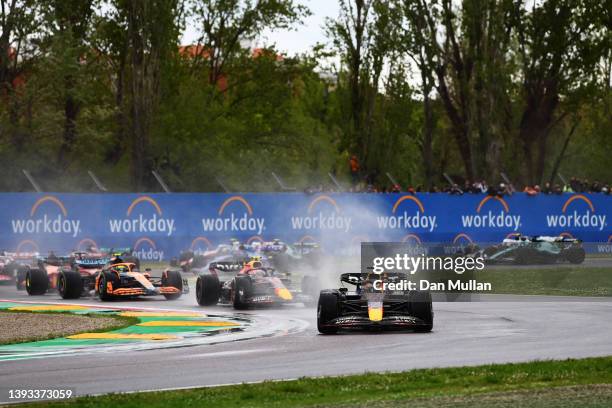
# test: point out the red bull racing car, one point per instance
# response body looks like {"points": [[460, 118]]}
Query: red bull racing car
{"points": [[247, 284], [372, 306]]}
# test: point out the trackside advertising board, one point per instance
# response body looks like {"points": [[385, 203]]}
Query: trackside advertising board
{"points": [[159, 226]]}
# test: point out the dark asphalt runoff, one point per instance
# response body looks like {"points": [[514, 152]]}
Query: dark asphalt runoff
{"points": [[464, 334]]}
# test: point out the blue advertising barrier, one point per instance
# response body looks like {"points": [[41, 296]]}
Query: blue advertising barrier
{"points": [[159, 226]]}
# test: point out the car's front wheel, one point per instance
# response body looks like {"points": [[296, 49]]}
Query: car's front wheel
{"points": [[241, 291], [175, 280], [327, 310], [422, 308], [103, 286], [208, 290], [36, 282], [70, 285]]}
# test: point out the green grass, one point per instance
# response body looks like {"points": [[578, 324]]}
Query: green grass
{"points": [[560, 280], [478, 386], [121, 322]]}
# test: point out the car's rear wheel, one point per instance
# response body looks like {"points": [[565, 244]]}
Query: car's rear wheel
{"points": [[208, 290], [575, 255], [175, 280], [327, 310], [240, 292], [36, 282], [70, 285], [421, 307]]}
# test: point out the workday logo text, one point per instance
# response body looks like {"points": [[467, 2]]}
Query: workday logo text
{"points": [[145, 249], [245, 222], [322, 220], [408, 220], [575, 219], [143, 224], [492, 219], [43, 220]]}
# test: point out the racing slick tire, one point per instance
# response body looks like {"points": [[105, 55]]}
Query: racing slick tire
{"points": [[36, 282], [105, 277], [174, 279], [327, 309], [574, 255], [421, 307], [241, 291], [208, 290], [70, 285]]}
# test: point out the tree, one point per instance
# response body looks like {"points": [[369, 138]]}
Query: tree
{"points": [[151, 39], [19, 23], [69, 25], [559, 44], [225, 24]]}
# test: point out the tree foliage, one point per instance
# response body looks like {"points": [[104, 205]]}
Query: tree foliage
{"points": [[419, 88]]}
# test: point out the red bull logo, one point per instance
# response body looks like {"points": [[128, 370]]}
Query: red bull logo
{"points": [[48, 215], [578, 212], [235, 215], [323, 213], [416, 219], [492, 218], [145, 249], [148, 221]]}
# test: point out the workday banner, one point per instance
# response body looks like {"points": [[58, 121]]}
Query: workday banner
{"points": [[159, 226]]}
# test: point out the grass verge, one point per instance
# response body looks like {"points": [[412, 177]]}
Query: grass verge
{"points": [[482, 386], [27, 331], [560, 281]]}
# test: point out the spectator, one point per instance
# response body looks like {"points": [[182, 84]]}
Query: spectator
{"points": [[568, 188], [467, 187], [574, 185], [455, 190], [354, 167], [503, 190], [396, 188], [595, 187], [605, 189], [530, 191], [547, 188], [557, 189]]}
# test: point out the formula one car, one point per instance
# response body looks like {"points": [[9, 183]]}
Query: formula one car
{"points": [[250, 284], [524, 250], [52, 272], [372, 306], [234, 252], [14, 266], [288, 258], [121, 279], [6, 275]]}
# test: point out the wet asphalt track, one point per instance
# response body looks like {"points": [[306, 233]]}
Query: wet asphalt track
{"points": [[464, 334]]}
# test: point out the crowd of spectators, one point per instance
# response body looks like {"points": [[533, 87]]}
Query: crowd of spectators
{"points": [[360, 184]]}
